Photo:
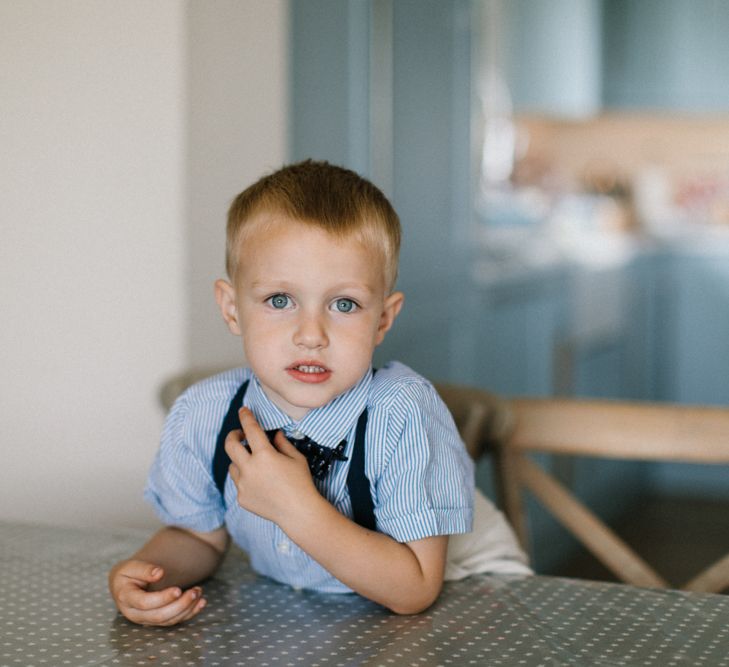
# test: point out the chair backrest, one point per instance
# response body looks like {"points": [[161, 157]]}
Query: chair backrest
{"points": [[175, 385], [483, 419], [607, 429]]}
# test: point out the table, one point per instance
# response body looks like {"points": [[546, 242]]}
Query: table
{"points": [[55, 610]]}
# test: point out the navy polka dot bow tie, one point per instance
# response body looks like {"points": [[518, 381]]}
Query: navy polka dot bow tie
{"points": [[320, 458]]}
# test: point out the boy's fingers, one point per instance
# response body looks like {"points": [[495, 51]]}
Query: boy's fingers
{"points": [[146, 600], [234, 447], [142, 570], [179, 610], [190, 612], [168, 614], [284, 446], [254, 434]]}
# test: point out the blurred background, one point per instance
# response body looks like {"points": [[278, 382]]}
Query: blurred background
{"points": [[561, 169]]}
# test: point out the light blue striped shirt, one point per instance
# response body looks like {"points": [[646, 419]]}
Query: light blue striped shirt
{"points": [[421, 476]]}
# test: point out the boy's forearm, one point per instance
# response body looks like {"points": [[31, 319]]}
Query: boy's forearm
{"points": [[185, 558], [370, 563]]}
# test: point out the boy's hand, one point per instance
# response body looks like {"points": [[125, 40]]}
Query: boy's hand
{"points": [[271, 480], [129, 582]]}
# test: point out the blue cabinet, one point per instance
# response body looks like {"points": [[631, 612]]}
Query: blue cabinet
{"points": [[691, 337], [552, 57], [697, 309], [615, 353], [666, 54], [576, 57], [329, 73], [519, 326]]}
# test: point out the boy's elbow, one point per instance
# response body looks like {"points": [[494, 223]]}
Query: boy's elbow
{"points": [[416, 602], [408, 609]]}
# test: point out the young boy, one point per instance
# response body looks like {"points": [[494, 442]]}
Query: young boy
{"points": [[312, 254]]}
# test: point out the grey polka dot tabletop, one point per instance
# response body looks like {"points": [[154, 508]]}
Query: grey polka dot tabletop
{"points": [[55, 610]]}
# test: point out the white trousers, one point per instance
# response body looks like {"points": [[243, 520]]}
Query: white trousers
{"points": [[490, 547]]}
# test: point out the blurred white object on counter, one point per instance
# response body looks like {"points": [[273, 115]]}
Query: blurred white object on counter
{"points": [[653, 199]]}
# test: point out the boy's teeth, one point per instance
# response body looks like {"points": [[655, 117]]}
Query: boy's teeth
{"points": [[310, 369]]}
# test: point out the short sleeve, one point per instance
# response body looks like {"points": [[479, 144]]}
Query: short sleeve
{"points": [[427, 484], [180, 485]]}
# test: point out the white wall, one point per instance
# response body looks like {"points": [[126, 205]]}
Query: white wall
{"points": [[100, 147]]}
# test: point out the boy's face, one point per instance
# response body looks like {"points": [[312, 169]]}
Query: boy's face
{"points": [[310, 307]]}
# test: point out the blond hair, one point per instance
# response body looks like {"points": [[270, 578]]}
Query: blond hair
{"points": [[335, 199]]}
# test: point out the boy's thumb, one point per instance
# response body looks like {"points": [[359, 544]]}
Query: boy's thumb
{"points": [[143, 571]]}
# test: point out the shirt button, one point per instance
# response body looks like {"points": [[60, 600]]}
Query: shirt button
{"points": [[283, 547], [297, 434]]}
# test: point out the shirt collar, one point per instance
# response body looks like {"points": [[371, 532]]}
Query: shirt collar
{"points": [[327, 425]]}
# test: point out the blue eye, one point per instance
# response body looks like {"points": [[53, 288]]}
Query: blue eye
{"points": [[345, 305], [279, 301]]}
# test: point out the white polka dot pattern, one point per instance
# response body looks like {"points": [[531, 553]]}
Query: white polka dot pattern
{"points": [[55, 610]]}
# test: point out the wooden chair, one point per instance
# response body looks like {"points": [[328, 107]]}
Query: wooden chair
{"points": [[611, 430], [174, 386], [483, 419]]}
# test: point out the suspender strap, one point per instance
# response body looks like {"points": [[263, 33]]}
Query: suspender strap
{"points": [[357, 483], [231, 422]]}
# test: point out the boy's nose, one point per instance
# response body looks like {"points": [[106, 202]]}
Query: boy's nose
{"points": [[311, 332]]}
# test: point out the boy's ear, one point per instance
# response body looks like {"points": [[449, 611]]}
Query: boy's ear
{"points": [[225, 296], [391, 309]]}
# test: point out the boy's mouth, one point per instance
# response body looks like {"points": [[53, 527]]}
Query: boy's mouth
{"points": [[307, 368], [308, 372]]}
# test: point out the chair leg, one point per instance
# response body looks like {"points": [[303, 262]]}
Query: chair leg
{"points": [[613, 552], [510, 496], [714, 579]]}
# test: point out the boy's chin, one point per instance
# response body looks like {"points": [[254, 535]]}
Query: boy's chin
{"points": [[302, 406], [297, 404]]}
